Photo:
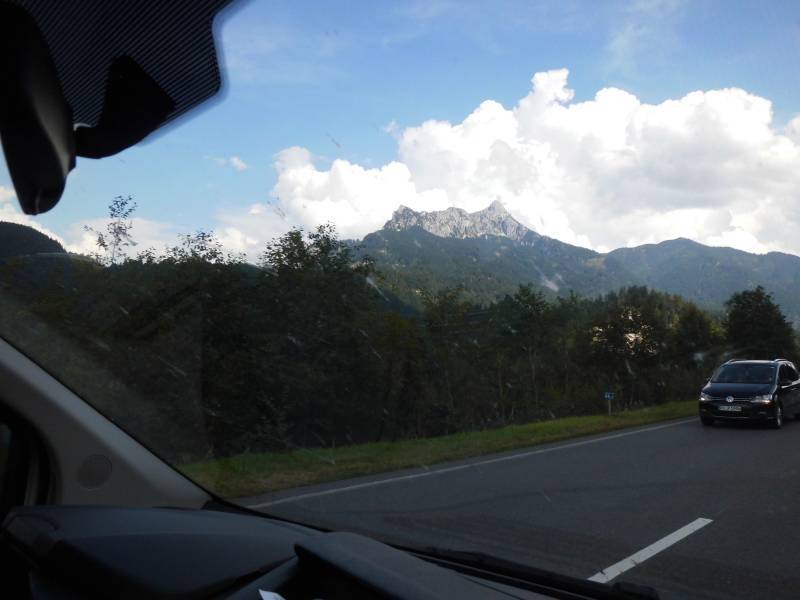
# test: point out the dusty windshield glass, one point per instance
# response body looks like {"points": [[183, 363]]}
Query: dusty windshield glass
{"points": [[454, 275]]}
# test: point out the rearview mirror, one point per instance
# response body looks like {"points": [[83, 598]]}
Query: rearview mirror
{"points": [[36, 125]]}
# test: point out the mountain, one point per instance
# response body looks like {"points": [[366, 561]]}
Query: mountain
{"points": [[490, 253], [487, 252], [709, 275], [17, 240], [458, 223]]}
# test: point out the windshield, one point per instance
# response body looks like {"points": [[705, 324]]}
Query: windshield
{"points": [[452, 275], [745, 373]]}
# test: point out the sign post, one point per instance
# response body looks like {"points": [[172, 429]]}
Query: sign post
{"points": [[609, 396]]}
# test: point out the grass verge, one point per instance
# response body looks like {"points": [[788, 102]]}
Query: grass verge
{"points": [[256, 473]]}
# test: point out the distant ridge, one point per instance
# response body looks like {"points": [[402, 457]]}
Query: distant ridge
{"points": [[489, 253], [19, 240]]}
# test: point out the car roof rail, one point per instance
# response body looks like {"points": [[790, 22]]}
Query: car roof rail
{"points": [[777, 359]]}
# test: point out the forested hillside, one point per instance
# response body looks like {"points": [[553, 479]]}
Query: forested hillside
{"points": [[489, 253], [709, 275], [487, 268], [200, 354], [16, 239]]}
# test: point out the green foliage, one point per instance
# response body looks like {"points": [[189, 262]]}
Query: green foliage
{"points": [[443, 309], [321, 251], [695, 334], [756, 327], [199, 247]]}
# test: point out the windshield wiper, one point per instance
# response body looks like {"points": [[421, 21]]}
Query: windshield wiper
{"points": [[532, 578]]}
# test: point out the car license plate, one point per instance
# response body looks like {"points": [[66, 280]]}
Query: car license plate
{"points": [[731, 408]]}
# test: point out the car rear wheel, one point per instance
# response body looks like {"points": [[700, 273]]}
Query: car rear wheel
{"points": [[777, 422], [706, 421]]}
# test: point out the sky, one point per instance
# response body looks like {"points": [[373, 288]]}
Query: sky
{"points": [[602, 124]]}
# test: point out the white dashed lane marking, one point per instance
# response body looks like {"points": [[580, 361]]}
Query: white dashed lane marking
{"points": [[642, 555]]}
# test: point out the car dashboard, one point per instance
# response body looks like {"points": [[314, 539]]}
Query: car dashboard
{"points": [[72, 552]]}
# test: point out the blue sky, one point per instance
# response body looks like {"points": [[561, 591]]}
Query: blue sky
{"points": [[331, 77]]}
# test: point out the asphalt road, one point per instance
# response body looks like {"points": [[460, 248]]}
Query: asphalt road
{"points": [[731, 494]]}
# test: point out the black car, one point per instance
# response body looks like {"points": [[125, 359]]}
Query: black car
{"points": [[756, 390]]}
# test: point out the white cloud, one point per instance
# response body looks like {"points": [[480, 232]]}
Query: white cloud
{"points": [[146, 233], [793, 129], [391, 127], [248, 231], [237, 163], [234, 162], [608, 172]]}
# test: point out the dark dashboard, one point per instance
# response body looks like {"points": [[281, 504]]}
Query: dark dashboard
{"points": [[115, 552]]}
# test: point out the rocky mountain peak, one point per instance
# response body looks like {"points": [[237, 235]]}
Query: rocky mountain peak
{"points": [[458, 223]]}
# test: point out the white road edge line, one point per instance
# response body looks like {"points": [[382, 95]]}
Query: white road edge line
{"points": [[617, 569], [489, 461]]}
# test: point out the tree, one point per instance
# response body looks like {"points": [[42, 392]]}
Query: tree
{"points": [[319, 251], [396, 349], [444, 314], [444, 310], [628, 331], [628, 339], [532, 325], [756, 327], [316, 295], [694, 337], [117, 236]]}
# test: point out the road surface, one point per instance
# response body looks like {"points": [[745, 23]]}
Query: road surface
{"points": [[695, 512]]}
